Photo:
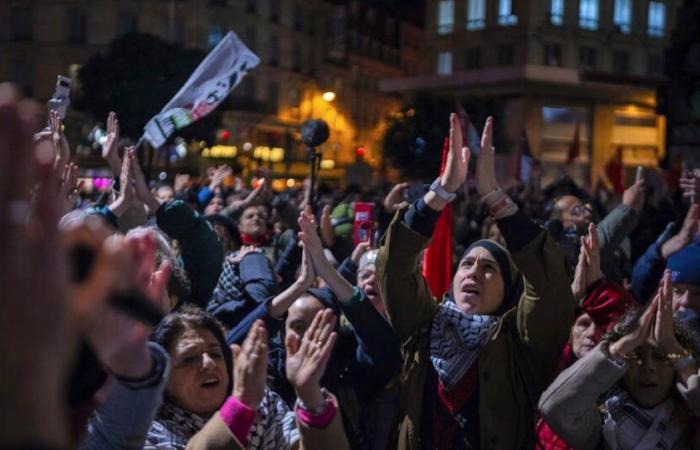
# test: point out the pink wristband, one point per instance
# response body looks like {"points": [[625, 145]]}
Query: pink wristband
{"points": [[238, 418], [322, 420]]}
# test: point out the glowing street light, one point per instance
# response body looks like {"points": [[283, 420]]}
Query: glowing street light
{"points": [[328, 96]]}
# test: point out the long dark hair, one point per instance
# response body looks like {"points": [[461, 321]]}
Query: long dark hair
{"points": [[171, 328]]}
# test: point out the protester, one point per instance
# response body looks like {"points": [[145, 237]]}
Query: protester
{"points": [[337, 344], [645, 374], [604, 303], [206, 379], [466, 359]]}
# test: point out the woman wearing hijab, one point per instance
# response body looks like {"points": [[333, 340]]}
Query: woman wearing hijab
{"points": [[474, 364]]}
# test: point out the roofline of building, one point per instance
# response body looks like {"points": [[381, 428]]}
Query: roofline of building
{"points": [[518, 79]]}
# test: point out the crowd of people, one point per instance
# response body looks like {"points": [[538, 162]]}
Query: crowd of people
{"points": [[207, 314]]}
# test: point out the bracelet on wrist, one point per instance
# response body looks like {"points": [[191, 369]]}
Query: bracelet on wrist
{"points": [[680, 361], [499, 204], [319, 410]]}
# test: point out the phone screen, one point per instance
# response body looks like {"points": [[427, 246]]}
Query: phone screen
{"points": [[363, 225]]}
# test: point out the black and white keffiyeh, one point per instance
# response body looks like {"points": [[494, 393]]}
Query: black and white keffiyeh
{"points": [[628, 426], [455, 341], [274, 427]]}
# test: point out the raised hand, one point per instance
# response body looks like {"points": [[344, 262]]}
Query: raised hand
{"points": [[110, 148], [634, 195], [119, 340], [307, 359], [394, 199], [591, 248], [31, 302], [326, 227], [486, 181], [663, 333], [307, 278], [579, 285], [68, 191], [359, 250], [685, 235], [639, 334], [219, 175], [180, 182], [457, 163], [307, 274], [140, 186], [127, 188], [59, 141], [690, 185], [250, 366], [312, 243]]}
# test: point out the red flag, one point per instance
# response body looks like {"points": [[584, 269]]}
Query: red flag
{"points": [[574, 147], [437, 259], [614, 170]]}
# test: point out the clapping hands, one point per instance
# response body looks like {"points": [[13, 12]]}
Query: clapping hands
{"points": [[308, 357]]}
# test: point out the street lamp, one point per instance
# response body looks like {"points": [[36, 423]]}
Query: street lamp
{"points": [[328, 96]]}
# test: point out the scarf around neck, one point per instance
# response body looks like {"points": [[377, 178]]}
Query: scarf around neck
{"points": [[174, 426], [455, 341], [628, 426], [247, 239]]}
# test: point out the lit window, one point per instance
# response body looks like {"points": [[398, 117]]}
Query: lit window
{"points": [[657, 19], [505, 13], [444, 63], [623, 15], [446, 16], [556, 12], [476, 14], [588, 14]]}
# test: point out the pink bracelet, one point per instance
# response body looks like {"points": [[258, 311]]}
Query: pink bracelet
{"points": [[238, 417], [320, 421]]}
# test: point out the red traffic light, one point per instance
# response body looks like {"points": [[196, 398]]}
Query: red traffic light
{"points": [[360, 151], [224, 135]]}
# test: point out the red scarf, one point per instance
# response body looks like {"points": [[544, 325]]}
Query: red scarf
{"points": [[452, 401], [247, 239]]}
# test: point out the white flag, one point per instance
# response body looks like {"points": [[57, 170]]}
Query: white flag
{"points": [[221, 71]]}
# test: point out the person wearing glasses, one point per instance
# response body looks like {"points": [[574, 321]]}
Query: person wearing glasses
{"points": [[575, 216]]}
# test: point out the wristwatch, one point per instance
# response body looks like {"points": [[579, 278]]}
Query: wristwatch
{"points": [[441, 192]]}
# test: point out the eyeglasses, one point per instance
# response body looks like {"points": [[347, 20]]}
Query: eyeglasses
{"points": [[581, 209]]}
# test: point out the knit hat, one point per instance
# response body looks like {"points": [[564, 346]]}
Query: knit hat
{"points": [[606, 302], [685, 265], [342, 219], [368, 259]]}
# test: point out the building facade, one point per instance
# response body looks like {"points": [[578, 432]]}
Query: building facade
{"points": [[307, 48], [558, 66]]}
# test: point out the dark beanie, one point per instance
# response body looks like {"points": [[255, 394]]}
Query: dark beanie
{"points": [[685, 265], [512, 280]]}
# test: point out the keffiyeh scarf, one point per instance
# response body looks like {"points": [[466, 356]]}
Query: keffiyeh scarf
{"points": [[274, 427], [628, 426], [455, 341]]}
